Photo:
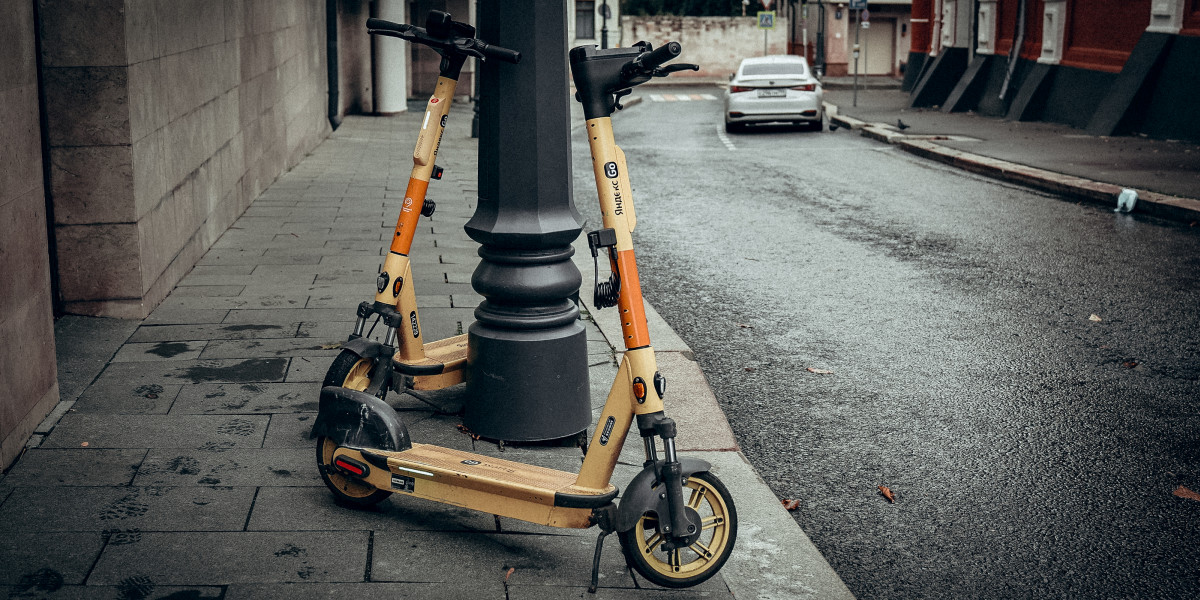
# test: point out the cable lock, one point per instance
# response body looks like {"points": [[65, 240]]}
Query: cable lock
{"points": [[606, 292]]}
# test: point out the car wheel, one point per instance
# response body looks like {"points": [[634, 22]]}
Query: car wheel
{"points": [[734, 127]]}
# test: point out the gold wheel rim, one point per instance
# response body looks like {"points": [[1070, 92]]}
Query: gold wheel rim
{"points": [[359, 376], [345, 485], [701, 554]]}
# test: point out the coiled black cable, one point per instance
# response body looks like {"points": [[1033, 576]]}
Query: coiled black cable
{"points": [[606, 292]]}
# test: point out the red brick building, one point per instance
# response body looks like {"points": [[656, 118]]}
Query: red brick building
{"points": [[1107, 67]]}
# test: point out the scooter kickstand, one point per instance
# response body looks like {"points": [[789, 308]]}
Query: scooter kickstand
{"points": [[596, 562]]}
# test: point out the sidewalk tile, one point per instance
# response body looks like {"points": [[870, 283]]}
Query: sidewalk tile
{"points": [[76, 467], [291, 430], [126, 508], [279, 509], [158, 431], [271, 348], [233, 331], [232, 370], [362, 591], [41, 562], [120, 397], [238, 467], [246, 398], [242, 557], [158, 351]]}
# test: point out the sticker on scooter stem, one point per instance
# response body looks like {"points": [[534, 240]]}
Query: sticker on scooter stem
{"points": [[610, 170], [607, 433], [444, 121], [412, 318]]}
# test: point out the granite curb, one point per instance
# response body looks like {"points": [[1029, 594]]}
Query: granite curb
{"points": [[1079, 188]]}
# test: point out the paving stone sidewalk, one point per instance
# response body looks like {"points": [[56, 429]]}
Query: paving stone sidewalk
{"points": [[181, 465]]}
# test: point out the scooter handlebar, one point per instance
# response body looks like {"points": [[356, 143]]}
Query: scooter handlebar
{"points": [[654, 58], [382, 25], [498, 53]]}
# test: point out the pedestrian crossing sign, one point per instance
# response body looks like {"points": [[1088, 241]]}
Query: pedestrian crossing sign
{"points": [[766, 19]]}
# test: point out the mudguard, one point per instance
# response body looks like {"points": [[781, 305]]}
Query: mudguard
{"points": [[359, 420], [642, 493], [365, 347]]}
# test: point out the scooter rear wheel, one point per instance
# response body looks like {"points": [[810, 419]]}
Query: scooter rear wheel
{"points": [[345, 490], [349, 370], [685, 567]]}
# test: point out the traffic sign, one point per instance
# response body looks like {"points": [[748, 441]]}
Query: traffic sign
{"points": [[858, 4], [766, 19]]}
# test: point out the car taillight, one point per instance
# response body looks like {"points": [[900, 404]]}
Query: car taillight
{"points": [[808, 87], [733, 89]]}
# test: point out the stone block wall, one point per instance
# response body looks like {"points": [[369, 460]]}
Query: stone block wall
{"points": [[717, 44], [28, 376], [166, 119]]}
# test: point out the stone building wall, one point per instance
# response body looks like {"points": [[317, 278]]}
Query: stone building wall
{"points": [[717, 44], [28, 378], [166, 119]]}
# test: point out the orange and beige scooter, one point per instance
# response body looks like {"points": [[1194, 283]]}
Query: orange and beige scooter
{"points": [[414, 364], [676, 521]]}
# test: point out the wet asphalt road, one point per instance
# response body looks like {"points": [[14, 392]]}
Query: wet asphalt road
{"points": [[1032, 449]]}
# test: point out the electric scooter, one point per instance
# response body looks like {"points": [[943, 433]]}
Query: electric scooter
{"points": [[676, 521], [364, 363]]}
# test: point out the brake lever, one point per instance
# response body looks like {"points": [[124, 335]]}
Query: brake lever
{"points": [[667, 70]]}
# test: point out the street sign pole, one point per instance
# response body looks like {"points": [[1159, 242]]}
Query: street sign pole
{"points": [[857, 31]]}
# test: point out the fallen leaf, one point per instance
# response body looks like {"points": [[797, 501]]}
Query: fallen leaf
{"points": [[887, 493], [509, 573], [790, 504], [331, 346], [1129, 364], [750, 369], [1095, 317], [84, 444], [819, 371], [745, 326], [1183, 492]]}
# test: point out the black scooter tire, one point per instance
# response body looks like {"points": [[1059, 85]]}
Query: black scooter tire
{"points": [[349, 370], [708, 554]]}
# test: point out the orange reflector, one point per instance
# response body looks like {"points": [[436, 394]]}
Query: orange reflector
{"points": [[351, 467], [639, 389]]}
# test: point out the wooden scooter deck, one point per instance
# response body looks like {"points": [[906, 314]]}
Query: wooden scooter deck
{"points": [[492, 485], [450, 353]]}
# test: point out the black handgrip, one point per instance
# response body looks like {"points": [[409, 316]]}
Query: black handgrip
{"points": [[664, 53], [380, 24], [499, 53]]}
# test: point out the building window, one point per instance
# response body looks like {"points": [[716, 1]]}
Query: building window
{"points": [[585, 20]]}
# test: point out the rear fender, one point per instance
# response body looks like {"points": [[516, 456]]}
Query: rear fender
{"points": [[359, 420], [642, 495]]}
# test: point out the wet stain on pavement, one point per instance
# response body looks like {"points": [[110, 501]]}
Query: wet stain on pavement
{"points": [[250, 327], [238, 427], [41, 580], [169, 349], [125, 508], [290, 550], [184, 465], [135, 588], [265, 369]]}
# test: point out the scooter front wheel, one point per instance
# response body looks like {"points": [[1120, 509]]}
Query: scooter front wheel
{"points": [[345, 490], [688, 566], [351, 371]]}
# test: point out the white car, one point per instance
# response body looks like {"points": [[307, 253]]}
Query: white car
{"points": [[778, 88]]}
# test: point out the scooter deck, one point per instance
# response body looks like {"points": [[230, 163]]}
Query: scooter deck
{"points": [[493, 485], [450, 354]]}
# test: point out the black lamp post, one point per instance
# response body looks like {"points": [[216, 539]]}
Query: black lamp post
{"points": [[605, 13], [527, 363]]}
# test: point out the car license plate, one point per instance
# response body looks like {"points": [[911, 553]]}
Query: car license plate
{"points": [[777, 93]]}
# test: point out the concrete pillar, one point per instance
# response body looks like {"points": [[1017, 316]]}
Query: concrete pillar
{"points": [[1054, 28], [527, 363], [391, 61], [1166, 16]]}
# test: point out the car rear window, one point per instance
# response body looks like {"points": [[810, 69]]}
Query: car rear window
{"points": [[774, 69]]}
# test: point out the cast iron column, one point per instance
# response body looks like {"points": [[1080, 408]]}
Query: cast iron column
{"points": [[527, 362]]}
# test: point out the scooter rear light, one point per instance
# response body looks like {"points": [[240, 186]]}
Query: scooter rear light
{"points": [[350, 467], [808, 87], [734, 89]]}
